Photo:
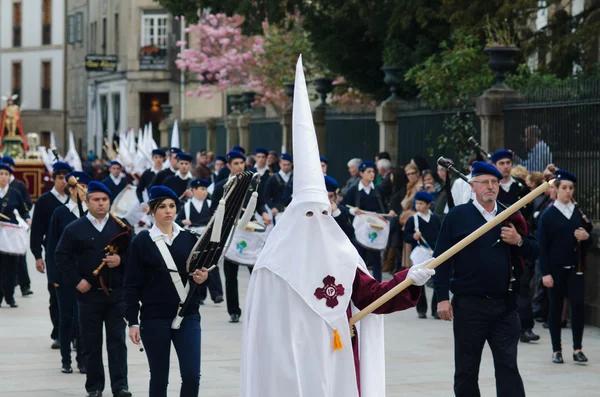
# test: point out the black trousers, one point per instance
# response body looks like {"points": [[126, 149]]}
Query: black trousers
{"points": [[96, 311], [524, 298], [23, 274], [540, 298], [8, 269], [422, 303], [53, 308], [67, 305], [478, 320], [215, 286], [566, 284], [231, 286]]}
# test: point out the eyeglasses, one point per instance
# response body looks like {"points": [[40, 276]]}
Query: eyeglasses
{"points": [[412, 173], [493, 182]]}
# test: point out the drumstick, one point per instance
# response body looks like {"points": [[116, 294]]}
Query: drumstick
{"points": [[367, 212]]}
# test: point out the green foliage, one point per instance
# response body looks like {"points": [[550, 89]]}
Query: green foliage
{"points": [[499, 33]]}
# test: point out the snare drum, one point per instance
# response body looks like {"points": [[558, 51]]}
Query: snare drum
{"points": [[246, 244], [14, 238], [371, 231]]}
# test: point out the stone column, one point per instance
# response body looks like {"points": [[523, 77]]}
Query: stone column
{"points": [[211, 134], [386, 116], [184, 134], [319, 121], [490, 110], [243, 124], [163, 127], [231, 124]]}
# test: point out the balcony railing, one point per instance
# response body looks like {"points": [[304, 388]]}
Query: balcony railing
{"points": [[16, 36], [46, 34], [46, 98]]}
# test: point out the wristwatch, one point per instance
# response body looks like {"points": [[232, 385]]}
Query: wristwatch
{"points": [[520, 243]]}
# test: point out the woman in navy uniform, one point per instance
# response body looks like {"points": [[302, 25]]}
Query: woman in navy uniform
{"points": [[150, 281], [563, 240], [10, 199], [66, 292]]}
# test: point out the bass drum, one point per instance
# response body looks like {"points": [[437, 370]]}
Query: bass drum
{"points": [[14, 239], [371, 231]]}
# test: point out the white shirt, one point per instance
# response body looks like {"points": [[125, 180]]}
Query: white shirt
{"points": [[367, 189], [11, 179], [506, 185], [566, 210], [173, 169], [184, 177], [426, 218], [74, 208], [116, 180], [284, 176], [155, 232], [60, 197], [197, 204], [487, 215], [154, 170], [3, 191], [262, 171], [98, 225]]}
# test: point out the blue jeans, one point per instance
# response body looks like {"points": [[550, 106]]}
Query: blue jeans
{"points": [[157, 335]]}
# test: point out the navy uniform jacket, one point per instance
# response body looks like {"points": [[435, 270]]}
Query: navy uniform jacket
{"points": [[159, 179], [429, 230], [14, 202], [22, 188], [223, 174], [80, 251], [144, 183], [177, 184], [368, 202], [61, 218], [518, 189], [116, 189], [147, 278], [44, 208], [558, 245], [278, 193], [481, 268], [218, 194], [343, 220], [197, 218]]}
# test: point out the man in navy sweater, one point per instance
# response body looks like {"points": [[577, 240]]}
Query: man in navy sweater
{"points": [[44, 208], [116, 182], [480, 277], [179, 182], [80, 251]]}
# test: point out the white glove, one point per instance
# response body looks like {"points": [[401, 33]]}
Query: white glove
{"points": [[419, 274]]}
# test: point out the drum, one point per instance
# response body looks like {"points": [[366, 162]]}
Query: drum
{"points": [[14, 239], [371, 231], [124, 202], [246, 244]]}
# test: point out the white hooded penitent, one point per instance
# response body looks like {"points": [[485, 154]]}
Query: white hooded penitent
{"points": [[296, 335]]}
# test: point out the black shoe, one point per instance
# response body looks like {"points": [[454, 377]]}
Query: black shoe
{"points": [[540, 319], [218, 299], [546, 325], [563, 324], [557, 358], [580, 357], [13, 305], [94, 394], [122, 393], [27, 292], [66, 370], [81, 369], [55, 345], [529, 336], [201, 303], [435, 315], [422, 315], [234, 318]]}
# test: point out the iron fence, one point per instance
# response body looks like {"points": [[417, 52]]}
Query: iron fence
{"points": [[266, 133]]}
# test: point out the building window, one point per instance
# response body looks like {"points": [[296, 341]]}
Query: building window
{"points": [[46, 85], [17, 19], [104, 36], [155, 40], [116, 33], [70, 29], [79, 27], [93, 37], [46, 22], [16, 79]]}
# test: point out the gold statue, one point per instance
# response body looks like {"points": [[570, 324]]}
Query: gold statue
{"points": [[10, 115]]}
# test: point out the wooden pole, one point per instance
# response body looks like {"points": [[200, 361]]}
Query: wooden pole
{"points": [[453, 250]]}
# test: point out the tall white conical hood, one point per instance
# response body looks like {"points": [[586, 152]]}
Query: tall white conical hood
{"points": [[175, 136], [309, 183]]}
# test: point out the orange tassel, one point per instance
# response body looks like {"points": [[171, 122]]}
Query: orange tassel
{"points": [[337, 341]]}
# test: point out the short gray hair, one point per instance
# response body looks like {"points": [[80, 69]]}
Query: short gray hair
{"points": [[355, 162], [384, 163]]}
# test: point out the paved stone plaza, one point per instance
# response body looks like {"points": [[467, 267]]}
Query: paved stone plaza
{"points": [[419, 357]]}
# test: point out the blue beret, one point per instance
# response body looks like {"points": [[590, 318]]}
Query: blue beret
{"points": [[159, 152], [366, 164], [234, 154], [501, 154], [6, 167], [59, 166], [331, 184], [238, 148], [181, 156], [115, 163], [287, 157], [563, 175], [8, 160], [221, 158], [81, 177], [261, 150], [98, 187], [174, 150], [162, 192], [482, 168], [324, 160], [423, 196], [196, 183]]}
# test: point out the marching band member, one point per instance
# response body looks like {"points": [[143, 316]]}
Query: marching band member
{"points": [[159, 179], [260, 155], [44, 208], [179, 182], [324, 163], [79, 252], [74, 209], [156, 276], [220, 162], [480, 277], [158, 158], [195, 214], [563, 239], [339, 213], [115, 182], [278, 189], [10, 200]]}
